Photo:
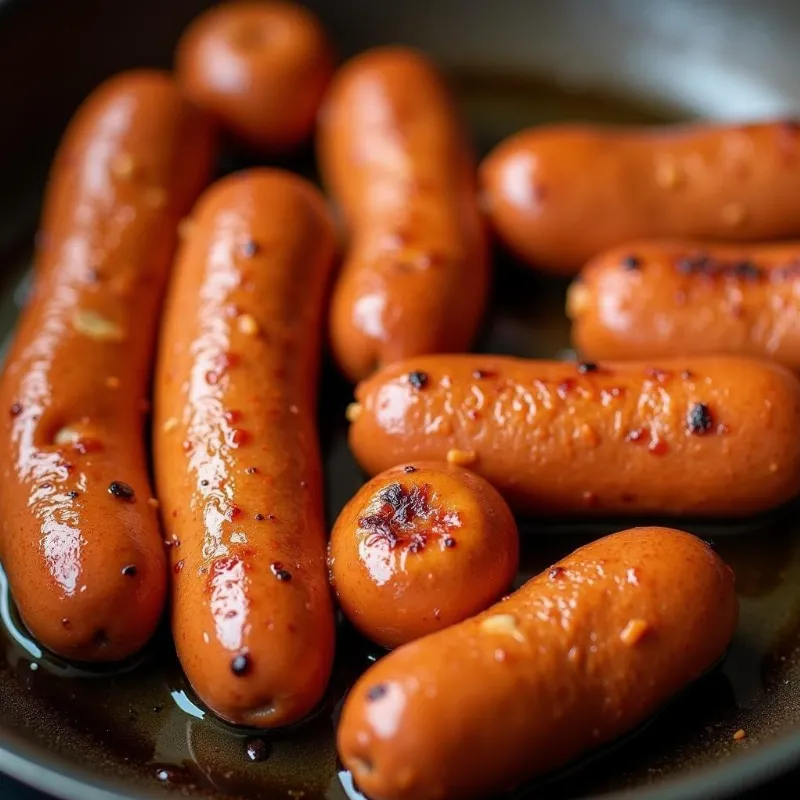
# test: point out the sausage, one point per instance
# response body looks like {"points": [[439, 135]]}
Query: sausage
{"points": [[660, 299], [670, 437], [237, 460], [420, 547], [260, 68], [79, 538], [395, 157], [578, 656], [559, 194]]}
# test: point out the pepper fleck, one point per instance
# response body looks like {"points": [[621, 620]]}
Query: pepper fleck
{"points": [[240, 665], [204, 482], [587, 366], [409, 469], [555, 572], [129, 571], [699, 419], [747, 270], [449, 542], [250, 248], [479, 374], [73, 494], [418, 379], [280, 573], [122, 491], [377, 691], [251, 470], [259, 517], [15, 410], [631, 262], [686, 375]]}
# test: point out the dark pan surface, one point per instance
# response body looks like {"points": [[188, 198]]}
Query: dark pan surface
{"points": [[136, 733]]}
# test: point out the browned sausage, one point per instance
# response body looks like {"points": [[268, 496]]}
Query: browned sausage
{"points": [[261, 68], [395, 156], [80, 537], [559, 194], [420, 547], [236, 453], [578, 656], [667, 437], [659, 299]]}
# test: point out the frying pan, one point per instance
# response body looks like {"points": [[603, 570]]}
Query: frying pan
{"points": [[136, 732]]}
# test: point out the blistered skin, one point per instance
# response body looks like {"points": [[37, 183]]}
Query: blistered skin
{"points": [[702, 436], [420, 547], [80, 537], [557, 195], [578, 656], [261, 68], [659, 299], [395, 157], [236, 454]]}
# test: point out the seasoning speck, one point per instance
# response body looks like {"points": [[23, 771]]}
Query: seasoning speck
{"points": [[555, 573], [409, 469], [376, 692], [280, 573], [461, 458], [122, 491], [72, 494], [418, 379], [258, 517], [634, 631], [449, 542], [129, 571], [480, 374], [631, 262], [587, 366], [15, 410], [739, 735], [699, 419], [251, 470], [250, 248], [240, 665]]}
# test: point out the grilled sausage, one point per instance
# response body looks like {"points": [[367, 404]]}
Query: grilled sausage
{"points": [[420, 547], [674, 298], [578, 656], [260, 68], [79, 540], [395, 157], [666, 437], [236, 453], [558, 195]]}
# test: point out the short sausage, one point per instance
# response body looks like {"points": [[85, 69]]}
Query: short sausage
{"points": [[558, 195], [580, 655], [657, 299], [260, 68], [80, 539], [420, 547], [236, 454], [395, 156], [666, 437]]}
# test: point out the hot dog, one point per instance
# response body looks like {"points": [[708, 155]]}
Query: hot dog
{"points": [[236, 455], [666, 437], [559, 194], [260, 68], [80, 540], [395, 157], [578, 656], [659, 299], [420, 547]]}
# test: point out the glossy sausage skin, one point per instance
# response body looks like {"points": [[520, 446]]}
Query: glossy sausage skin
{"points": [[395, 157], [87, 567], [578, 656], [558, 195], [420, 547], [261, 68], [236, 453], [666, 437], [658, 299]]}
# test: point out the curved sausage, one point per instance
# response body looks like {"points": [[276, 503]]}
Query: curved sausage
{"points": [[670, 437], [580, 655], [420, 547], [236, 454], [80, 538], [395, 157], [260, 68], [558, 195], [660, 299]]}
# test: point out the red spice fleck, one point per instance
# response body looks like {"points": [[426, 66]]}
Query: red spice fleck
{"points": [[658, 447], [555, 573], [178, 566], [212, 378], [473, 414], [239, 437], [686, 375], [723, 428], [251, 470], [565, 387], [15, 410], [480, 374], [233, 512], [232, 416], [186, 445]]}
